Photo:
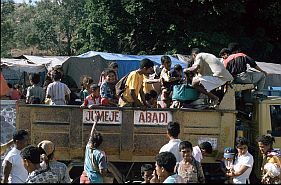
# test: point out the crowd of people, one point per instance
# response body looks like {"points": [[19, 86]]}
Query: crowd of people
{"points": [[177, 161], [150, 86]]}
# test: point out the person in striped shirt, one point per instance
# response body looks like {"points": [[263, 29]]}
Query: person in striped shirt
{"points": [[57, 91]]}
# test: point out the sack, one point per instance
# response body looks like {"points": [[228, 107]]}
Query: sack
{"points": [[84, 179], [120, 85], [184, 92]]}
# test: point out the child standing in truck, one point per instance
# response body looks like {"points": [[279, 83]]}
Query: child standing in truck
{"points": [[94, 98]]}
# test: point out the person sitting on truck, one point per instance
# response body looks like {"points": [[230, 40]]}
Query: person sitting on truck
{"points": [[13, 168], [57, 91], [173, 131], [94, 98], [35, 94], [112, 66], [236, 64], [86, 82], [48, 161], [210, 74], [151, 99], [243, 163], [31, 161], [167, 81], [189, 169], [107, 89], [269, 155], [134, 86], [165, 168], [146, 173], [204, 148], [71, 84]]}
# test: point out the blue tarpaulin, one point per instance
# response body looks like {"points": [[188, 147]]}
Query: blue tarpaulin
{"points": [[128, 63]]}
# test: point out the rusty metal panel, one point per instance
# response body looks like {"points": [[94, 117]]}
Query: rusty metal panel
{"points": [[127, 136], [75, 129], [148, 144]]}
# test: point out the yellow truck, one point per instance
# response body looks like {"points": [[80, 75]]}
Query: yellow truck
{"points": [[133, 136]]}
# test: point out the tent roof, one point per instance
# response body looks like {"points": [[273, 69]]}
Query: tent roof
{"points": [[114, 56], [22, 65]]}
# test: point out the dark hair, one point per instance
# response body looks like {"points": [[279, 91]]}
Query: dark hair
{"points": [[146, 63], [146, 167], [94, 86], [19, 135], [108, 71], [241, 141], [165, 58], [178, 67], [34, 78], [233, 46], [224, 50], [96, 139], [167, 160], [185, 145], [86, 80], [31, 153], [206, 146], [147, 96], [266, 139], [153, 94], [173, 129], [9, 85], [56, 75], [195, 50]]}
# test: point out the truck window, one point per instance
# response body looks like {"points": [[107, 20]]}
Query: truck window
{"points": [[275, 114]]}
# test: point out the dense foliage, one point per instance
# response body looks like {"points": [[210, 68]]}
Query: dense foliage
{"points": [[71, 27]]}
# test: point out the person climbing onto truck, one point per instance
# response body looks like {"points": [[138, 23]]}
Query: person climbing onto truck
{"points": [[173, 131], [165, 168], [243, 163], [189, 169], [269, 155], [236, 64], [210, 74]]}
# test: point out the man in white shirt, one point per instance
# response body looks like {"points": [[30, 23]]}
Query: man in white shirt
{"points": [[210, 74], [173, 130], [13, 168], [202, 150]]}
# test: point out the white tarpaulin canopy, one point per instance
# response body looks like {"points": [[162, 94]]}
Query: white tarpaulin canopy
{"points": [[22, 65]]}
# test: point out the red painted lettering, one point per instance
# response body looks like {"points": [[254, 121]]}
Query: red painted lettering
{"points": [[148, 117], [141, 118], [154, 118], [116, 116]]}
